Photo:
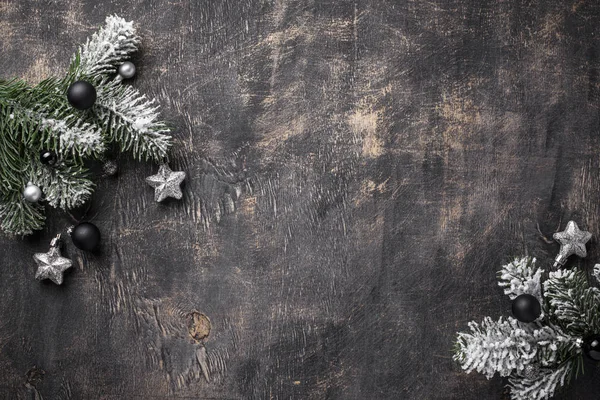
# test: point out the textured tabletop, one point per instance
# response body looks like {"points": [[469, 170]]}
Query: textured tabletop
{"points": [[358, 171]]}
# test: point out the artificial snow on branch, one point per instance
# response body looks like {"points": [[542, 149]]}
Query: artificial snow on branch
{"points": [[507, 345], [67, 186], [574, 305], [542, 384], [106, 49], [521, 276], [132, 121]]}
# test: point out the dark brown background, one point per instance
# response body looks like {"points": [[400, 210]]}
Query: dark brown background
{"points": [[358, 172]]}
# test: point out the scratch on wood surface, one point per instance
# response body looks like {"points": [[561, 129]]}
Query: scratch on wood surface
{"points": [[6, 33], [34, 377], [215, 189], [203, 361]]}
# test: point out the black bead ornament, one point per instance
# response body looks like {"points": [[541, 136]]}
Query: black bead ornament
{"points": [[526, 308], [81, 95], [85, 236], [110, 168], [591, 347], [48, 157]]}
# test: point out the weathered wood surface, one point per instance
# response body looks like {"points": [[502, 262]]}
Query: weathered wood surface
{"points": [[358, 171]]}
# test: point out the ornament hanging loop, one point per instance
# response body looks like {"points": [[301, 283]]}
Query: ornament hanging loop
{"points": [[559, 261], [56, 241]]}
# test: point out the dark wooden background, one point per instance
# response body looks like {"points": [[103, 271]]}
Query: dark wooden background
{"points": [[358, 172]]}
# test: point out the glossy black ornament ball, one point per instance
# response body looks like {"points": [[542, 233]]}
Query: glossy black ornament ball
{"points": [[591, 347], [86, 236], [81, 95], [526, 308], [48, 157]]}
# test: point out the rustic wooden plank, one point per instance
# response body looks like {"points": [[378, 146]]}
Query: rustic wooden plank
{"points": [[358, 171]]}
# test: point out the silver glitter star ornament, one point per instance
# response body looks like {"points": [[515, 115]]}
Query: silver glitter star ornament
{"points": [[572, 241], [51, 265], [166, 183]]}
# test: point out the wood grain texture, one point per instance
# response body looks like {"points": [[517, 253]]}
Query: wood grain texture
{"points": [[358, 172]]}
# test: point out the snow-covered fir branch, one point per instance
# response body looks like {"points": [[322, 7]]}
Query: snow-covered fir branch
{"points": [[573, 303], [12, 127], [543, 384], [133, 121], [106, 49], [43, 115], [507, 345], [19, 217], [75, 137], [66, 186], [521, 276]]}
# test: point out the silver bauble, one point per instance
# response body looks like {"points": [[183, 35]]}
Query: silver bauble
{"points": [[32, 193], [127, 70]]}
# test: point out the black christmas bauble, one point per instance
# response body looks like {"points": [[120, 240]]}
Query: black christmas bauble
{"points": [[48, 157], [81, 95], [591, 347], [86, 236], [526, 308]]}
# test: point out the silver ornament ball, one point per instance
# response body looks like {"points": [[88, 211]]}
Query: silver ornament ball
{"points": [[127, 70], [32, 193]]}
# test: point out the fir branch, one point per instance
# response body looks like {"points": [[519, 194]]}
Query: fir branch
{"points": [[105, 50], [68, 132], [132, 121], [574, 305], [508, 345], [66, 186], [542, 386], [50, 121], [18, 217], [12, 149], [75, 137], [521, 276]]}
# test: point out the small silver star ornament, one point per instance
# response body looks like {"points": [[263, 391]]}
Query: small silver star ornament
{"points": [[166, 183], [572, 241], [51, 265]]}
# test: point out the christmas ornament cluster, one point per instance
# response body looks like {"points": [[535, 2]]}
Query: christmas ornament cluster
{"points": [[555, 323], [49, 132]]}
